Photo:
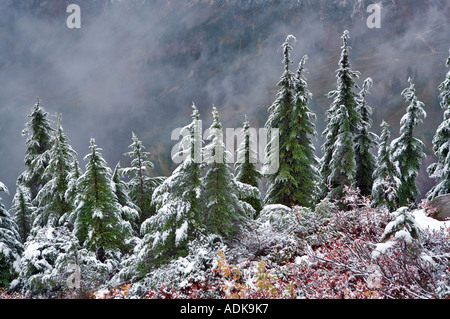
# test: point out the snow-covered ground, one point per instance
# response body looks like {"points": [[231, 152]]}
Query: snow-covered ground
{"points": [[427, 222]]}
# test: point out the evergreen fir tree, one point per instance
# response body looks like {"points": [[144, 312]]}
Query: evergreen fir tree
{"points": [[295, 181], [386, 175], [10, 245], [245, 167], [279, 116], [364, 142], [177, 199], [440, 171], [130, 211], [408, 150], [224, 214], [303, 126], [22, 210], [98, 222], [51, 201], [71, 193], [343, 95], [141, 184], [38, 143], [342, 164]]}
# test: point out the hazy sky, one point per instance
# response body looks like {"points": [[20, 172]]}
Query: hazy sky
{"points": [[139, 65]]}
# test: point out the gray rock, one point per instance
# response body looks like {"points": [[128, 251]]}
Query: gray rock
{"points": [[442, 205]]}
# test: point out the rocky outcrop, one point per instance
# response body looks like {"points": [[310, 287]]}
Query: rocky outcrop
{"points": [[442, 205]]}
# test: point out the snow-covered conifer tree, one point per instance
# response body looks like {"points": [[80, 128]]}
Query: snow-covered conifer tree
{"points": [[22, 210], [407, 151], [177, 199], [51, 202], [342, 164], [71, 193], [141, 185], [52, 260], [245, 167], [440, 171], [365, 141], [386, 175], [223, 212], [343, 95], [130, 211], [39, 141], [302, 125], [10, 245], [294, 182], [98, 217]]}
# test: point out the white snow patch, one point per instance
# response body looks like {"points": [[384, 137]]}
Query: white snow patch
{"points": [[302, 259], [181, 233], [427, 222], [381, 248], [49, 234], [100, 294]]}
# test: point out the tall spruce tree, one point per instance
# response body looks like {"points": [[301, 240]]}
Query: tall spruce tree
{"points": [[98, 222], [245, 167], [141, 185], [294, 181], [224, 213], [10, 245], [342, 164], [365, 141], [39, 141], [130, 211], [22, 210], [303, 126], [177, 200], [440, 171], [408, 150], [71, 193], [343, 95], [51, 202], [386, 175]]}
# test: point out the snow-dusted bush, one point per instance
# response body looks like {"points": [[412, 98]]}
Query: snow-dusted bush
{"points": [[272, 234], [313, 225], [53, 264], [402, 230], [280, 233], [184, 275], [277, 216]]}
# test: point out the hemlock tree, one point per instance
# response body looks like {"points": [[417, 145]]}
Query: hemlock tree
{"points": [[141, 184], [38, 143], [22, 210], [440, 171], [224, 214], [278, 190], [365, 141], [245, 167], [294, 182], [51, 201], [10, 245], [303, 126], [386, 175], [342, 164], [408, 150], [177, 200], [71, 193], [130, 211], [343, 95], [98, 222]]}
